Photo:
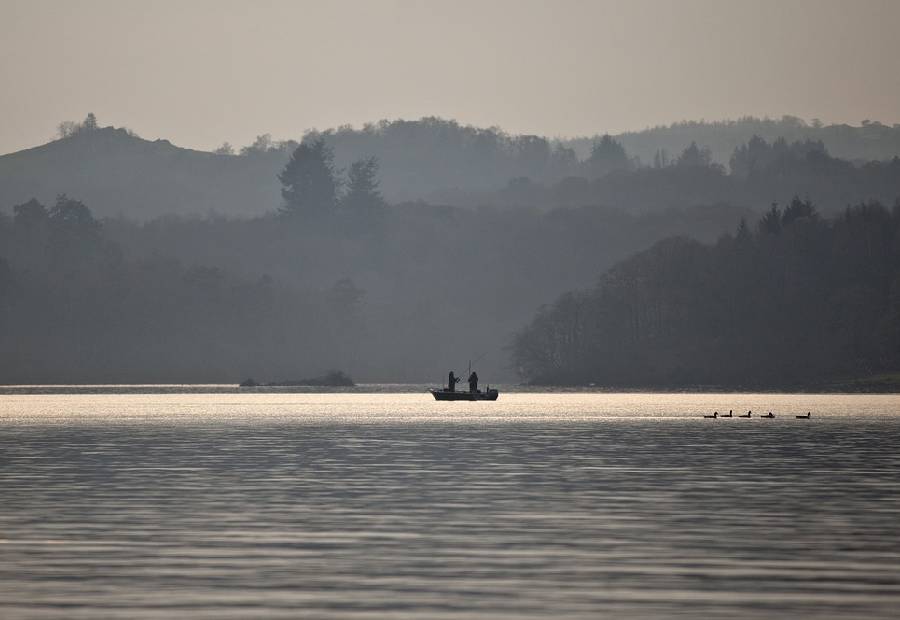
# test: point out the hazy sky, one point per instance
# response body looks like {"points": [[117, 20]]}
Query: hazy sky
{"points": [[202, 72]]}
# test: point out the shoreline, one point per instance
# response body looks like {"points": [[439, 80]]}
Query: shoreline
{"points": [[417, 388]]}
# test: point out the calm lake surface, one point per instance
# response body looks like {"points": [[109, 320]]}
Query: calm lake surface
{"points": [[572, 505]]}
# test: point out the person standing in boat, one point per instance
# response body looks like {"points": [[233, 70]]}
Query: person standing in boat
{"points": [[452, 380], [473, 382]]}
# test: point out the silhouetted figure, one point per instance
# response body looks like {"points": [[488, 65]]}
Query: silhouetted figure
{"points": [[473, 382], [804, 417], [746, 415], [713, 416], [452, 380], [769, 415], [730, 414]]}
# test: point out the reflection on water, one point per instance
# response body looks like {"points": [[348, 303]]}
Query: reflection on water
{"points": [[354, 505]]}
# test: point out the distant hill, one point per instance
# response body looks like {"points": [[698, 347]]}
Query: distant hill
{"points": [[792, 301], [118, 173], [871, 140], [431, 159]]}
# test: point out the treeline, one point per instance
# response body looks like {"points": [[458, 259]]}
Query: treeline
{"points": [[336, 278], [443, 162], [74, 307], [799, 300], [870, 140], [760, 172], [419, 158]]}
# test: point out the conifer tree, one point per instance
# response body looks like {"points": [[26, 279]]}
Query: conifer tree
{"points": [[363, 194], [308, 180]]}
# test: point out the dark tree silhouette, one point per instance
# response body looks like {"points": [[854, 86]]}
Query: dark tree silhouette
{"points": [[695, 157], [308, 180], [804, 301], [751, 158], [67, 129], [363, 194], [30, 214], [607, 155], [798, 209], [72, 215], [262, 144]]}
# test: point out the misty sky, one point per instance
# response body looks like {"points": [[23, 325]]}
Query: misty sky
{"points": [[202, 72]]}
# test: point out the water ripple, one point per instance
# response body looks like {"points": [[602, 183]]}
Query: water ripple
{"points": [[373, 506]]}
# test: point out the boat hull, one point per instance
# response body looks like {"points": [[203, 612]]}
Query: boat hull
{"points": [[447, 395]]}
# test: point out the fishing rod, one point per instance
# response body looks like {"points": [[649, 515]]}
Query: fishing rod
{"points": [[478, 359]]}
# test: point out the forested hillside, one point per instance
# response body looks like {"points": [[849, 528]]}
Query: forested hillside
{"points": [[870, 140], [333, 273], [795, 300], [395, 294], [441, 161], [120, 174]]}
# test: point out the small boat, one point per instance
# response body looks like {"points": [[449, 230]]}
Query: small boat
{"points": [[444, 394], [450, 393], [804, 417]]}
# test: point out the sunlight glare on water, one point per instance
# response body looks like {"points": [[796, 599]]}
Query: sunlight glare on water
{"points": [[371, 505]]}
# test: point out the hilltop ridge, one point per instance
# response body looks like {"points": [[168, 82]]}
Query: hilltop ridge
{"points": [[432, 159], [119, 173]]}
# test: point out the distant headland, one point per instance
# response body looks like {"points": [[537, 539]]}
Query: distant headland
{"points": [[333, 378]]}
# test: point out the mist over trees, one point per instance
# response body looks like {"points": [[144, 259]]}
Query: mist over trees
{"points": [[397, 298], [363, 192], [797, 300], [870, 140], [75, 309], [296, 257], [67, 129], [760, 172], [444, 162], [309, 184]]}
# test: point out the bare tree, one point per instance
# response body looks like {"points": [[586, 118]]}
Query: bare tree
{"points": [[67, 129]]}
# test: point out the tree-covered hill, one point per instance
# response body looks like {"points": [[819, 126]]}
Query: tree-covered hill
{"points": [[338, 277], [390, 293], [442, 161], [118, 173], [797, 301], [870, 140]]}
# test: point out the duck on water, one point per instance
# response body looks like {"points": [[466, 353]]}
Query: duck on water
{"points": [[768, 416]]}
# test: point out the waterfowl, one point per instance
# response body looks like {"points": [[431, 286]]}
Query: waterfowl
{"points": [[730, 414], [769, 415], [803, 417], [746, 415], [713, 416]]}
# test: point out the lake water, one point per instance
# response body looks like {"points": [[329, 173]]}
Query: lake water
{"points": [[575, 505]]}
